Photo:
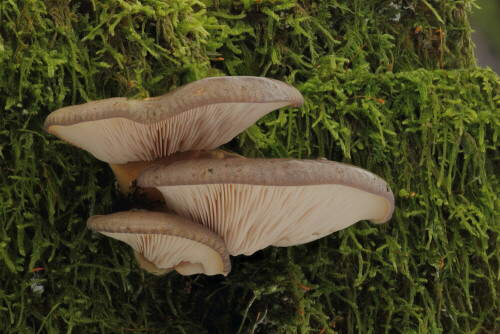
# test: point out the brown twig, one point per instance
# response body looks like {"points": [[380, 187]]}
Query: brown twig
{"points": [[367, 97], [359, 50]]}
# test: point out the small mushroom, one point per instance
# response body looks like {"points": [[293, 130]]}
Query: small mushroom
{"points": [[163, 241], [254, 203], [201, 115]]}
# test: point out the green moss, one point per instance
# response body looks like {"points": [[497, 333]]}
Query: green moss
{"points": [[433, 267]]}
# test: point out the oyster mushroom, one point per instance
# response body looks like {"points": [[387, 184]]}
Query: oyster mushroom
{"points": [[254, 203], [201, 115], [163, 242]]}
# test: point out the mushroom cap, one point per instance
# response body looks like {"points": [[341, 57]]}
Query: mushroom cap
{"points": [[198, 116], [163, 241], [254, 203]]}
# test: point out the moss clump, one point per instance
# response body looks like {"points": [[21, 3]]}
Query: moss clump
{"points": [[409, 105]]}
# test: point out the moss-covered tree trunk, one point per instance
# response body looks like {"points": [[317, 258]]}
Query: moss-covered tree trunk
{"points": [[390, 86]]}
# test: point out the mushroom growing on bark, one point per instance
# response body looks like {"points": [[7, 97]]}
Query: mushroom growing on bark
{"points": [[163, 242], [254, 203]]}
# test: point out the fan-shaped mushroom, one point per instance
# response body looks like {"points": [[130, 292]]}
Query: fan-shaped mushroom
{"points": [[201, 115], [254, 203], [163, 241]]}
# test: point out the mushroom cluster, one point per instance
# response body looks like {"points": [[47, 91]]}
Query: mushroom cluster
{"points": [[223, 204]]}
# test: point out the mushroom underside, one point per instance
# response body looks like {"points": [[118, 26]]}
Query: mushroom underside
{"points": [[162, 241], [186, 256], [252, 217], [119, 140]]}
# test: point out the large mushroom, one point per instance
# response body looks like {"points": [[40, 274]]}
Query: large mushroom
{"points": [[201, 115], [254, 203], [163, 241]]}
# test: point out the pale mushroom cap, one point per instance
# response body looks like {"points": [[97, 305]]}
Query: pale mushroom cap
{"points": [[166, 241], [201, 115], [254, 203]]}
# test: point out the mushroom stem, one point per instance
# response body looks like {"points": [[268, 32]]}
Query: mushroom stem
{"points": [[126, 173]]}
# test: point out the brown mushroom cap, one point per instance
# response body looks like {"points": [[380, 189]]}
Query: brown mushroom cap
{"points": [[163, 241], [254, 203], [198, 116]]}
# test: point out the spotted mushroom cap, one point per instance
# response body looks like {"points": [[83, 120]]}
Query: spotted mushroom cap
{"points": [[201, 115], [163, 241], [254, 203]]}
